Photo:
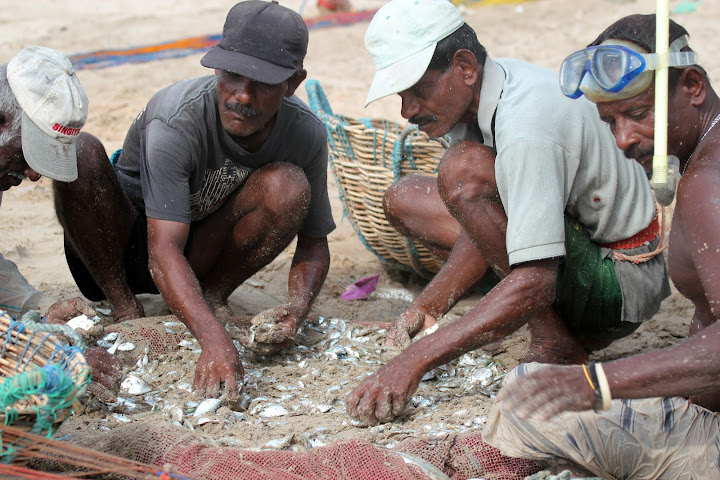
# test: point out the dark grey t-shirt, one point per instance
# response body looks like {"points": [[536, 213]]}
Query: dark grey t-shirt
{"points": [[179, 164]]}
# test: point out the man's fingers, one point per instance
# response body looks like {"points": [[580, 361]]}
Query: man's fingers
{"points": [[352, 402], [232, 385], [384, 407], [366, 409], [398, 406]]}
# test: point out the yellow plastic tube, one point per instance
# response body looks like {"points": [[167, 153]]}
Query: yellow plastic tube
{"points": [[660, 157]]}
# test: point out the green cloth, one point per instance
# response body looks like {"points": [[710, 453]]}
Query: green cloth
{"points": [[588, 295]]}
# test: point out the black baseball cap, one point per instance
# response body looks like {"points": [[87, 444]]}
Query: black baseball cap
{"points": [[261, 40]]}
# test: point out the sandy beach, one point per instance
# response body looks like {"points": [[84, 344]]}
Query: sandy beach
{"points": [[310, 380]]}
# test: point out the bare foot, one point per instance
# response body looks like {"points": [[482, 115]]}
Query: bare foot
{"points": [[225, 314], [131, 311], [61, 312]]}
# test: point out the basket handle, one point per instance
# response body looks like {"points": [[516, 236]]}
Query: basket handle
{"points": [[33, 321], [400, 150], [317, 99]]}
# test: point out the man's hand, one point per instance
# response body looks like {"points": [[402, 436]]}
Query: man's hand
{"points": [[106, 371], [219, 363], [271, 330], [406, 326], [382, 396], [548, 391], [62, 312]]}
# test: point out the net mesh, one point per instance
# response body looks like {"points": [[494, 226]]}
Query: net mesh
{"points": [[454, 457], [158, 336]]}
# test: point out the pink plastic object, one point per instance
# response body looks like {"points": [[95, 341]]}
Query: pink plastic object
{"points": [[361, 289]]}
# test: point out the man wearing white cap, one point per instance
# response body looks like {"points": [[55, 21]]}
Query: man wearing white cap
{"points": [[532, 187], [42, 108]]}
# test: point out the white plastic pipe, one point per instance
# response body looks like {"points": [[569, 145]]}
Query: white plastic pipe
{"points": [[660, 157]]}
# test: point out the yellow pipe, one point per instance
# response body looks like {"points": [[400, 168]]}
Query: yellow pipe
{"points": [[660, 157]]}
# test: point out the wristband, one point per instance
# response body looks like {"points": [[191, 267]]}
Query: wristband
{"points": [[606, 403], [596, 387]]}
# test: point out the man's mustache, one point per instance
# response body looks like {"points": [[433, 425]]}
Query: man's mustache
{"points": [[244, 110], [423, 119], [636, 152]]}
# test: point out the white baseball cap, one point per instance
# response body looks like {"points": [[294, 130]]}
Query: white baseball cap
{"points": [[401, 39], [55, 108]]}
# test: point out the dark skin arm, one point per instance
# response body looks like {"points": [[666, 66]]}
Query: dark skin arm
{"points": [[308, 270], [219, 361], [691, 367], [463, 268], [529, 288]]}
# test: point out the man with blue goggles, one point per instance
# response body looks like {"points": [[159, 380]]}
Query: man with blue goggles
{"points": [[662, 434], [616, 69]]}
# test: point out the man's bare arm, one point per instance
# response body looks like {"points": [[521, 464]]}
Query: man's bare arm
{"points": [[528, 289], [219, 361], [309, 268]]}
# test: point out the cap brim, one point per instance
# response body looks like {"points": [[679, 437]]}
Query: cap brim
{"points": [[245, 65], [46, 155], [400, 75]]}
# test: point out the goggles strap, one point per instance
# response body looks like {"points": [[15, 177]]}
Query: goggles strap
{"points": [[674, 57]]}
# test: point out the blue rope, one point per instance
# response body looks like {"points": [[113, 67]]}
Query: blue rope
{"points": [[115, 156], [171, 475]]}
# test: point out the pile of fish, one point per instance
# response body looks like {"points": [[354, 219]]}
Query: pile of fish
{"points": [[310, 379]]}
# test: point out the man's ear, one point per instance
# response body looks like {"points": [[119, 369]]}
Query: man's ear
{"points": [[467, 63], [295, 81], [693, 83]]}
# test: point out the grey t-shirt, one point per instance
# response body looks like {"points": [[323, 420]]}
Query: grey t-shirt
{"points": [[179, 164]]}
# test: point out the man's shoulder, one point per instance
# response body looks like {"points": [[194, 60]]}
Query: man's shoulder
{"points": [[183, 96], [301, 121]]}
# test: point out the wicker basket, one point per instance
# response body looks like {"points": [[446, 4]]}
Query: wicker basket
{"points": [[367, 156], [42, 380]]}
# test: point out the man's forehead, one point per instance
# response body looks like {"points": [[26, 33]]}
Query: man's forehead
{"points": [[643, 99]]}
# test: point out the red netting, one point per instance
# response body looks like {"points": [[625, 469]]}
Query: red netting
{"points": [[161, 334], [455, 457]]}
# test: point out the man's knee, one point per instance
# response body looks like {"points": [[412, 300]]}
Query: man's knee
{"points": [[398, 202], [285, 189], [467, 172]]}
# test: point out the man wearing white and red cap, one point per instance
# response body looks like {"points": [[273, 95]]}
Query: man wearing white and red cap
{"points": [[217, 175], [43, 108]]}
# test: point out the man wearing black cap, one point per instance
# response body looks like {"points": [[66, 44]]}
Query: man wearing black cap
{"points": [[216, 177]]}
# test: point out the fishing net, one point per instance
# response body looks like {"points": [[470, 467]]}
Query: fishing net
{"points": [[154, 336], [452, 457]]}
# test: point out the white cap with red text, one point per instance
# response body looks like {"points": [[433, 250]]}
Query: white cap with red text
{"points": [[55, 108]]}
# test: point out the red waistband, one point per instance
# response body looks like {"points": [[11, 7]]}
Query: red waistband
{"points": [[649, 234]]}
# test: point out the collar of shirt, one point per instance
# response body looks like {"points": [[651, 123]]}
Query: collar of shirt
{"points": [[491, 89]]}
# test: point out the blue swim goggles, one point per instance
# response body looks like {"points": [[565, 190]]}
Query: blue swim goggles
{"points": [[617, 69]]}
